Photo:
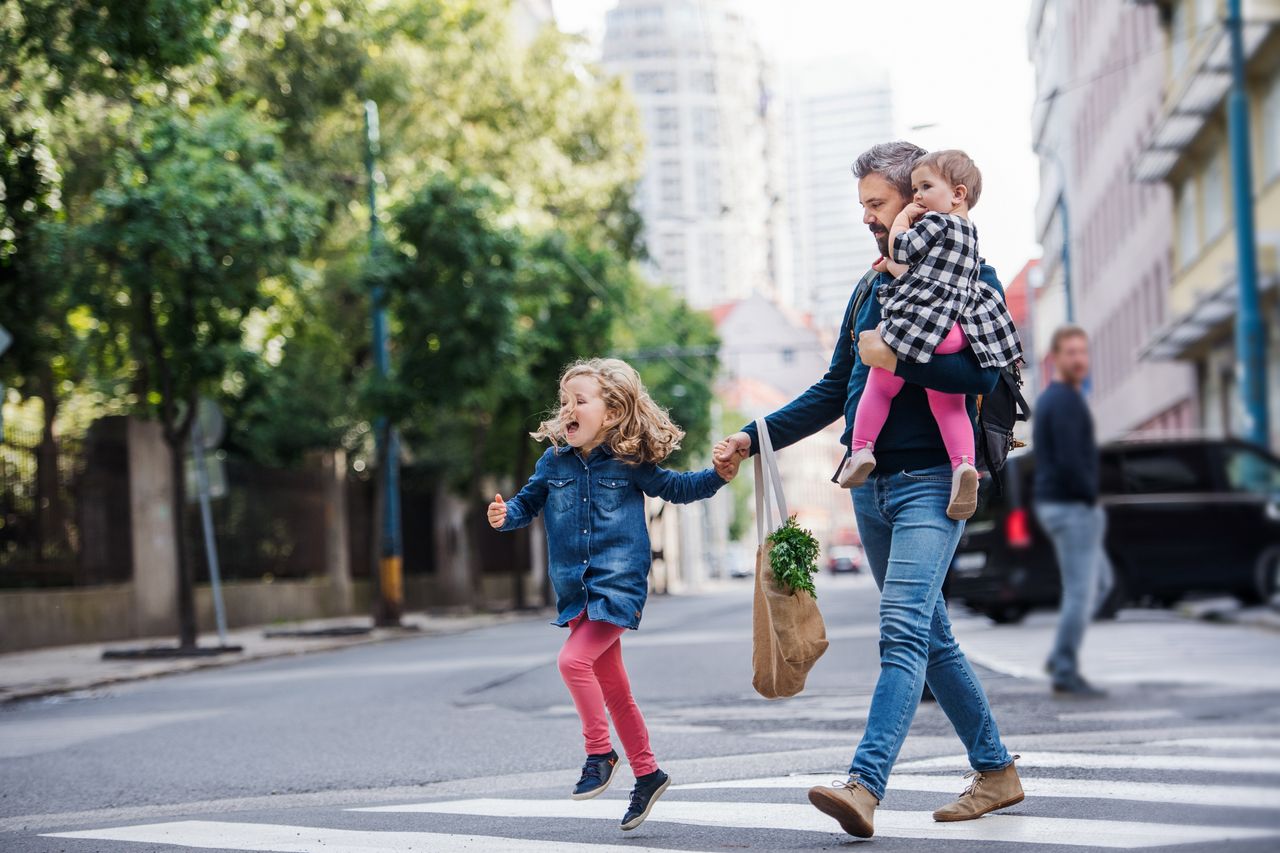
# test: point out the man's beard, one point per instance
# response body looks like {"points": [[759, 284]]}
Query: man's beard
{"points": [[882, 241]]}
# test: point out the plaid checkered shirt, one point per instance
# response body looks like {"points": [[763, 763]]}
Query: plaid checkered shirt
{"points": [[940, 289]]}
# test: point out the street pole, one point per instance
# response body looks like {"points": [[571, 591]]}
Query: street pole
{"points": [[390, 567], [1251, 341], [1064, 218], [1066, 247]]}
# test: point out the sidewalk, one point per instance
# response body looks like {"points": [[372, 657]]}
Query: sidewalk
{"points": [[64, 669], [1140, 647]]}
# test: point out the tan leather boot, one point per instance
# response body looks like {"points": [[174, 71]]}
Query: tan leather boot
{"points": [[849, 803], [989, 791]]}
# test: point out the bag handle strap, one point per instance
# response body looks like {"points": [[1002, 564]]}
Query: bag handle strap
{"points": [[766, 464]]}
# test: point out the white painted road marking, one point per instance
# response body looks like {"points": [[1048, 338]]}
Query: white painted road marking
{"points": [[216, 835], [1245, 744], [1112, 761], [1240, 796], [891, 824]]}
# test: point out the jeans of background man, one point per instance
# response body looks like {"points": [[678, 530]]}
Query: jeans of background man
{"points": [[1077, 530], [909, 542]]}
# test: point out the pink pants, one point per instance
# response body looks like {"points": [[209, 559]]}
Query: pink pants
{"points": [[948, 409], [591, 665]]}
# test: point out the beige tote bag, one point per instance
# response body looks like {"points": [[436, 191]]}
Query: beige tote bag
{"points": [[787, 632]]}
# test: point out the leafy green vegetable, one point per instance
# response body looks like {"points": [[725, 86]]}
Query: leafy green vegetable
{"points": [[794, 557]]}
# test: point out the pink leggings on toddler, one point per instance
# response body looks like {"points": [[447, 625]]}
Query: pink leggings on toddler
{"points": [[948, 409], [591, 665]]}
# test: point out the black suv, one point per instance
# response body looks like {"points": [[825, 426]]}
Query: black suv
{"points": [[1183, 516]]}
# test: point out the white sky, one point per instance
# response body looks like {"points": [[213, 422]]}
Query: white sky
{"points": [[961, 66]]}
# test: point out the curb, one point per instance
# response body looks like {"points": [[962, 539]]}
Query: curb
{"points": [[19, 693]]}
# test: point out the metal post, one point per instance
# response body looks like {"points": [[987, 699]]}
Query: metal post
{"points": [[206, 522], [1066, 247], [390, 569], [1251, 341]]}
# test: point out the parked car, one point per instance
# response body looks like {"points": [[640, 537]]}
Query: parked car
{"points": [[845, 558], [1183, 516]]}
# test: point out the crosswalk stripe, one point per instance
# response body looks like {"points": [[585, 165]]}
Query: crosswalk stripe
{"points": [[1240, 796], [1248, 744], [217, 835], [1113, 761], [894, 824]]}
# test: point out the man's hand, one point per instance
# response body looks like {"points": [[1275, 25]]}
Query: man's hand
{"points": [[497, 512], [874, 352], [729, 453], [729, 470]]}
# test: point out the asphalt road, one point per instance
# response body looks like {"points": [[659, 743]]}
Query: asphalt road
{"points": [[468, 742]]}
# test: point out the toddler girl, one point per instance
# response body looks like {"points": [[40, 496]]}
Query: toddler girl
{"points": [[592, 488], [935, 304]]}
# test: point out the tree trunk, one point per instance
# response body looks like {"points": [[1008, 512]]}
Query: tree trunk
{"points": [[50, 513], [519, 568]]}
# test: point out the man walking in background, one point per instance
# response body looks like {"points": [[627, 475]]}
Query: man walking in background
{"points": [[1066, 502]]}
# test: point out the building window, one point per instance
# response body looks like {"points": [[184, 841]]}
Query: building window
{"points": [[667, 133], [1179, 44], [1271, 130], [1188, 232], [1215, 201], [1206, 15], [671, 190], [658, 82], [709, 200], [706, 127]]}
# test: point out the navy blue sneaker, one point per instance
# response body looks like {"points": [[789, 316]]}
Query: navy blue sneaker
{"points": [[597, 773], [646, 792]]}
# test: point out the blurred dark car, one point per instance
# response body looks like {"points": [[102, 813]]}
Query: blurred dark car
{"points": [[1183, 516], [845, 558]]}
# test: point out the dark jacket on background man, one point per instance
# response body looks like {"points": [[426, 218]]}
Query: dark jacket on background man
{"points": [[1066, 450]]}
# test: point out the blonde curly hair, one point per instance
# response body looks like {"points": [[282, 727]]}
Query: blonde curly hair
{"points": [[642, 432]]}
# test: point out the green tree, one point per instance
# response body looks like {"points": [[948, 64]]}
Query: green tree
{"points": [[674, 348], [555, 140], [196, 215]]}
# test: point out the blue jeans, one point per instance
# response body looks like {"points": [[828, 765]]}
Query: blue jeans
{"points": [[1077, 530], [909, 542]]}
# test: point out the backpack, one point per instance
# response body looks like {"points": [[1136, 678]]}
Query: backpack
{"points": [[998, 411]]}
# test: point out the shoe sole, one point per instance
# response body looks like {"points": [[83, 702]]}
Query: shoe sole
{"points": [[855, 477], [834, 807], [964, 497], [1013, 801], [639, 819], [598, 791]]}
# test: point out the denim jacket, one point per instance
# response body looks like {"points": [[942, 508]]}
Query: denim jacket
{"points": [[597, 539]]}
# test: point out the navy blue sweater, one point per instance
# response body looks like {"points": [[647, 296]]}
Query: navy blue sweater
{"points": [[1066, 450], [910, 439]]}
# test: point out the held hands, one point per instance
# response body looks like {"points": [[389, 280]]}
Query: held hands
{"points": [[728, 454], [497, 512]]}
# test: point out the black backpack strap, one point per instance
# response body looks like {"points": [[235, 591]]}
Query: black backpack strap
{"points": [[860, 294]]}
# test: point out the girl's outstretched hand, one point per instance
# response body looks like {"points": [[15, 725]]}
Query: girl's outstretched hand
{"points": [[497, 512]]}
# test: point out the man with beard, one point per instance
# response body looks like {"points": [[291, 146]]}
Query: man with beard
{"points": [[901, 514]]}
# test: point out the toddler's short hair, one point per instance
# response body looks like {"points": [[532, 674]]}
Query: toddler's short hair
{"points": [[955, 167]]}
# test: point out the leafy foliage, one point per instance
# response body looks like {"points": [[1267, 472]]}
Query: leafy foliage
{"points": [[794, 557], [195, 216]]}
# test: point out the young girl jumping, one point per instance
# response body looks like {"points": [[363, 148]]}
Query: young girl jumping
{"points": [[936, 304], [592, 488]]}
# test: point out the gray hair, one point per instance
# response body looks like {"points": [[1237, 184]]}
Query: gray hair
{"points": [[893, 160]]}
